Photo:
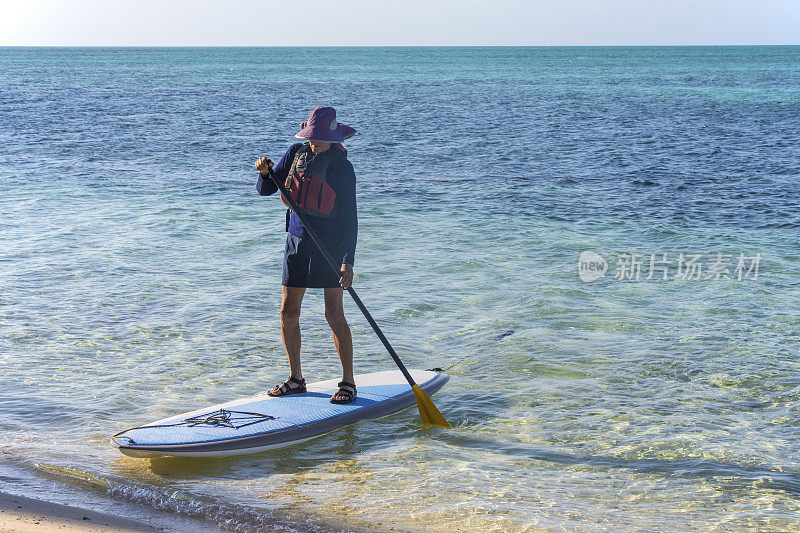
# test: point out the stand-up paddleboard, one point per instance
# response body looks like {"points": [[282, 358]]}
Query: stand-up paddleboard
{"points": [[260, 422]]}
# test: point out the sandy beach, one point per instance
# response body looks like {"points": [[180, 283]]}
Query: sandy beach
{"points": [[19, 514]]}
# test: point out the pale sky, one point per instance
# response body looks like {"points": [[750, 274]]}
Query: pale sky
{"points": [[398, 22]]}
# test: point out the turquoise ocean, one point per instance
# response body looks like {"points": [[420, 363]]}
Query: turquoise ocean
{"points": [[140, 277]]}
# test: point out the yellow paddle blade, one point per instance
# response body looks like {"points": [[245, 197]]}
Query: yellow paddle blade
{"points": [[428, 412]]}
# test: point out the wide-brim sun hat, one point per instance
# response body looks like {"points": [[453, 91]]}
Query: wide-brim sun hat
{"points": [[323, 126]]}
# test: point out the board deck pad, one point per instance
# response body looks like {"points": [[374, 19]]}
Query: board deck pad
{"points": [[261, 422]]}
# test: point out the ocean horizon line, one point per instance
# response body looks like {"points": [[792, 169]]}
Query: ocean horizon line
{"points": [[324, 46]]}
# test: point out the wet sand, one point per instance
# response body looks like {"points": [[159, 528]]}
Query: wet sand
{"points": [[19, 514]]}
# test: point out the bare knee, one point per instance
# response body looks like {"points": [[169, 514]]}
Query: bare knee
{"points": [[335, 318], [290, 312]]}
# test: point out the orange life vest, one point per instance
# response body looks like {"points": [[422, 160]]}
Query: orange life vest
{"points": [[307, 181]]}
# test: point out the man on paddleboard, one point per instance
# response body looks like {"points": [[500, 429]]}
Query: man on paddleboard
{"points": [[321, 181]]}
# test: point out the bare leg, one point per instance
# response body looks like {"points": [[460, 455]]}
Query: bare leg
{"points": [[291, 298], [334, 313]]}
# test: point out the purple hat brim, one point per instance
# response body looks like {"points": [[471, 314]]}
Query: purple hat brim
{"points": [[316, 133]]}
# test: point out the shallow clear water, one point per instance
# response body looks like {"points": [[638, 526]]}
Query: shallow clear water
{"points": [[140, 272]]}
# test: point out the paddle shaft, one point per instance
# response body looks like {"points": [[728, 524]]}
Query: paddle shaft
{"points": [[332, 264]]}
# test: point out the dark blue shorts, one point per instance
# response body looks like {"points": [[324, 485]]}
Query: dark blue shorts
{"points": [[305, 266]]}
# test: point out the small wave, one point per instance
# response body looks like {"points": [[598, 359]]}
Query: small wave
{"points": [[228, 516]]}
